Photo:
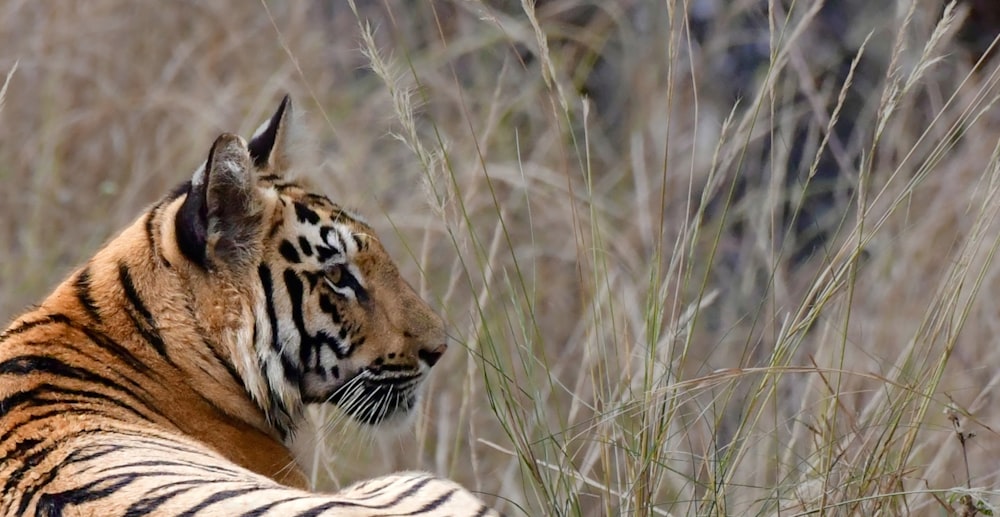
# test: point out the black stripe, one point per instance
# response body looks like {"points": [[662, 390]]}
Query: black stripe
{"points": [[288, 251], [150, 233], [268, 284], [277, 410], [217, 497], [21, 447], [70, 345], [372, 491], [306, 247], [125, 277], [148, 505], [324, 253], [305, 214], [314, 512], [261, 510], [55, 504], [227, 364], [339, 215], [42, 416], [28, 463], [312, 278], [87, 454], [213, 347], [154, 243], [82, 288], [437, 503], [100, 339], [347, 280], [324, 234], [296, 291], [327, 305], [483, 510], [183, 483], [362, 485], [129, 440], [146, 327], [27, 364], [309, 344], [164, 444], [114, 348], [91, 452], [410, 491], [36, 397], [28, 325], [40, 482], [319, 199], [179, 463], [292, 371]]}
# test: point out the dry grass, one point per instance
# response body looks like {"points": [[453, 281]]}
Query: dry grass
{"points": [[636, 329]]}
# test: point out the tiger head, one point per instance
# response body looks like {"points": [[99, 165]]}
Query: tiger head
{"points": [[331, 319]]}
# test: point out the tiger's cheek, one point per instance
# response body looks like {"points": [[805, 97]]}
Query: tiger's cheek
{"points": [[329, 344]]}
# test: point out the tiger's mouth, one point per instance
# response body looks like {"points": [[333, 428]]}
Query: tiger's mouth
{"points": [[376, 400]]}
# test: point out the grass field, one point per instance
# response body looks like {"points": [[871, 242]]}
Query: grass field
{"points": [[696, 258]]}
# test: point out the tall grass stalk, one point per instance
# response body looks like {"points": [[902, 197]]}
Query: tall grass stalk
{"points": [[6, 83]]}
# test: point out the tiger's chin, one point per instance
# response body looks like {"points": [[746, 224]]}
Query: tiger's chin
{"points": [[384, 406], [386, 416]]}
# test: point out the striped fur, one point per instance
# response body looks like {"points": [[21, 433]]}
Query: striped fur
{"points": [[167, 375]]}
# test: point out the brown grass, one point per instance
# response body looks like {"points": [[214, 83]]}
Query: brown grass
{"points": [[635, 330]]}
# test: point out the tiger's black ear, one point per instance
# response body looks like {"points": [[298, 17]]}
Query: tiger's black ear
{"points": [[218, 224], [269, 144]]}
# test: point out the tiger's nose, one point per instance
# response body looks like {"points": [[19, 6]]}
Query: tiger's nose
{"points": [[431, 355]]}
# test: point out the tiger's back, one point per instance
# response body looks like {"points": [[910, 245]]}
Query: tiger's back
{"points": [[167, 374]]}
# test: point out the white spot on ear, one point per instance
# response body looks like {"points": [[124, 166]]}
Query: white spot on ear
{"points": [[260, 129], [232, 167], [199, 176]]}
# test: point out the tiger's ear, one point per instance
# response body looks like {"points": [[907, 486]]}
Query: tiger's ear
{"points": [[218, 225], [269, 144]]}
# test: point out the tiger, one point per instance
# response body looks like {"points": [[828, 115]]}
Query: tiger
{"points": [[168, 374]]}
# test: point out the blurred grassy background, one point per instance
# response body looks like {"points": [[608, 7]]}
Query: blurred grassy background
{"points": [[697, 257]]}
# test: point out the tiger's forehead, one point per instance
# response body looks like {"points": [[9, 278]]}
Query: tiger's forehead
{"points": [[305, 200], [312, 222]]}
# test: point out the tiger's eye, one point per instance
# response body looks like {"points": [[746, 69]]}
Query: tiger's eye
{"points": [[335, 273]]}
